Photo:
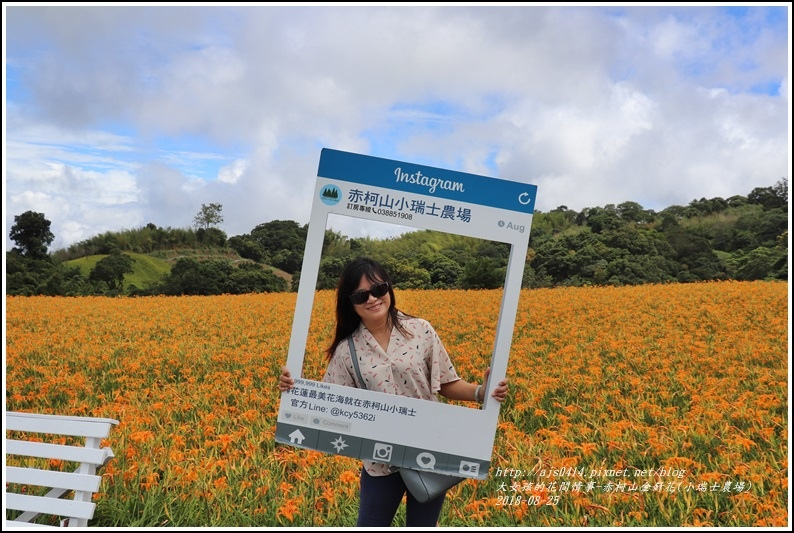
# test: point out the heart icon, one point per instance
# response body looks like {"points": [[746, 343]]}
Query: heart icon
{"points": [[426, 460]]}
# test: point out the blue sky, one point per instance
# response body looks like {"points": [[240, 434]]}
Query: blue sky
{"points": [[119, 115]]}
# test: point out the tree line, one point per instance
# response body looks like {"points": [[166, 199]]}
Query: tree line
{"points": [[738, 238]]}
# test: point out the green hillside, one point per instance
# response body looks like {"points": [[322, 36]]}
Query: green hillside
{"points": [[148, 269], [740, 238]]}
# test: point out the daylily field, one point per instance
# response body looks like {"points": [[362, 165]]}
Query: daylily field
{"points": [[656, 405]]}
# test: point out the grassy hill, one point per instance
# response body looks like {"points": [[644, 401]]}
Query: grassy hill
{"points": [[199, 254], [147, 269]]}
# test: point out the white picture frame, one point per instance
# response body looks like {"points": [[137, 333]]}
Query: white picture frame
{"points": [[397, 430]]}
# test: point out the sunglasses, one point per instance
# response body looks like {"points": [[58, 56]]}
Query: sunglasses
{"points": [[377, 290]]}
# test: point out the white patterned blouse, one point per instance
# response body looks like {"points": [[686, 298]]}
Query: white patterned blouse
{"points": [[414, 366]]}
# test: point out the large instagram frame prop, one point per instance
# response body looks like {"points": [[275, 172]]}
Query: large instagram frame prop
{"points": [[387, 428]]}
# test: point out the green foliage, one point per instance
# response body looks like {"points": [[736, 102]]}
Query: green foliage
{"points": [[444, 271], [208, 217], [189, 276], [250, 277], [405, 274], [111, 270], [85, 264], [211, 237], [760, 263], [248, 248], [28, 277], [603, 219], [25, 275], [770, 197], [31, 232], [330, 270], [147, 270], [742, 238], [283, 241], [483, 273], [149, 239]]}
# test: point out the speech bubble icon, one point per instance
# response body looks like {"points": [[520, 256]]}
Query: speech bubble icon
{"points": [[426, 460]]}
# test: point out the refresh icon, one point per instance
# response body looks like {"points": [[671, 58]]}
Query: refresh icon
{"points": [[524, 198]]}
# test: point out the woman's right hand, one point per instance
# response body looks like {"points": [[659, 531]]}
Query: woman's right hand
{"points": [[285, 381]]}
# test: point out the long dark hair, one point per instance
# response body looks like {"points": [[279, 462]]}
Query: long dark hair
{"points": [[347, 320]]}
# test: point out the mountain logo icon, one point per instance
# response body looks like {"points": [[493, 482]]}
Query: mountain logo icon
{"points": [[331, 195]]}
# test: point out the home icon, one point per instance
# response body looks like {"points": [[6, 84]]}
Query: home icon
{"points": [[296, 437]]}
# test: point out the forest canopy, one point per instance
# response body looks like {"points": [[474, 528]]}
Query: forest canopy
{"points": [[738, 238]]}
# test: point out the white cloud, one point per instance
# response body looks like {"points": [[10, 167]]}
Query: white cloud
{"points": [[231, 173], [117, 117]]}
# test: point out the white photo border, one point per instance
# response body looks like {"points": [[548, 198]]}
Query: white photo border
{"points": [[392, 429]]}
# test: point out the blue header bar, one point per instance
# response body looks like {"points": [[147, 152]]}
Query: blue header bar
{"points": [[424, 180]]}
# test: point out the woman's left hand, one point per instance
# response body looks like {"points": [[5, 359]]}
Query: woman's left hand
{"points": [[500, 391]]}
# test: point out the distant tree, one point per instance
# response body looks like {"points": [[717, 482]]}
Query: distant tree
{"points": [[602, 219], [632, 212], [24, 275], [208, 217], [356, 245], [444, 272], [31, 232], [498, 251], [247, 247], [334, 243], [638, 241], [770, 197], [330, 270], [65, 281], [753, 265], [781, 190], [296, 281], [278, 235], [211, 237], [672, 214], [251, 277], [288, 260], [694, 254], [569, 215], [483, 273], [459, 254], [283, 241], [406, 275], [111, 270], [704, 207], [189, 276]]}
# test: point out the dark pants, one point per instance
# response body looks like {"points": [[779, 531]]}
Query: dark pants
{"points": [[381, 496]]}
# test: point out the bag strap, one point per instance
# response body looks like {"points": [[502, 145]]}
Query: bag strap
{"points": [[354, 357]]}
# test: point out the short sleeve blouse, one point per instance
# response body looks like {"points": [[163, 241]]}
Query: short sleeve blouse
{"points": [[414, 366]]}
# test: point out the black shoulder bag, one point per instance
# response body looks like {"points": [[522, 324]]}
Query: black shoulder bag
{"points": [[423, 485]]}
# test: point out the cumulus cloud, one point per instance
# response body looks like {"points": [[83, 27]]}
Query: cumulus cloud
{"points": [[121, 116]]}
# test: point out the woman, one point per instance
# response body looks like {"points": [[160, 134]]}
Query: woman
{"points": [[399, 354]]}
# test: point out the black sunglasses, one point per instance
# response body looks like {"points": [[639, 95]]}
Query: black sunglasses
{"points": [[377, 290]]}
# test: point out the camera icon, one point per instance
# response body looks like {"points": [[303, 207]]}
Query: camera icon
{"points": [[468, 468], [382, 452]]}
